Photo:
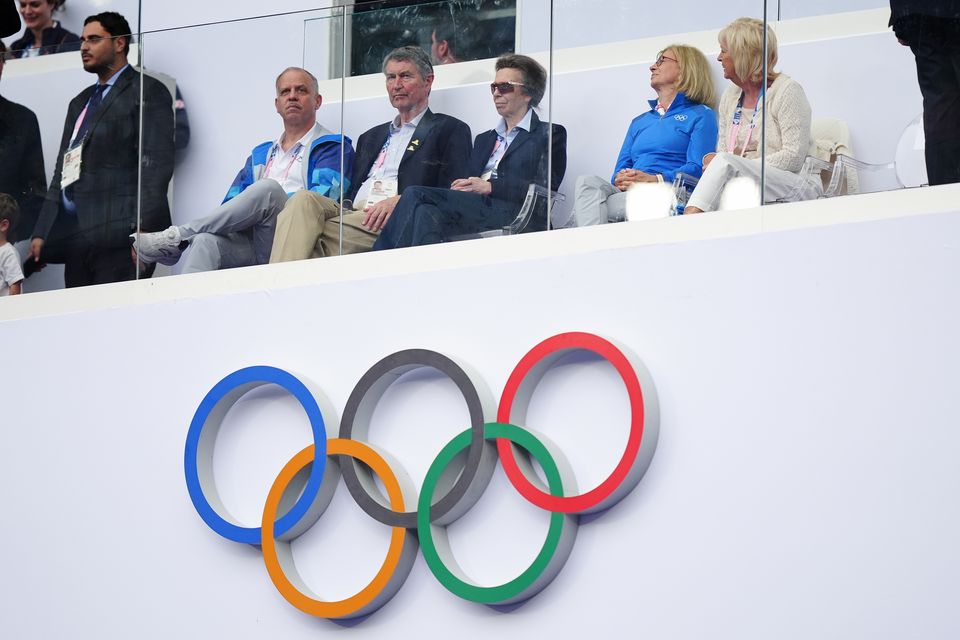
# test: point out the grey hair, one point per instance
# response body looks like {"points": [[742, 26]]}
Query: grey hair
{"points": [[416, 55]]}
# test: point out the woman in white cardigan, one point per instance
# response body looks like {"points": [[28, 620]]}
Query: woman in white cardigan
{"points": [[741, 114]]}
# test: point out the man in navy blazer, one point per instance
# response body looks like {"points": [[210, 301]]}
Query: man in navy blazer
{"points": [[504, 163], [91, 206], [22, 174], [418, 147], [932, 31]]}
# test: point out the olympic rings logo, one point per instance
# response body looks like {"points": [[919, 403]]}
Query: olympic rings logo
{"points": [[305, 485]]}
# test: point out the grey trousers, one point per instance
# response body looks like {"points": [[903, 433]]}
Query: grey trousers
{"points": [[238, 233], [598, 202]]}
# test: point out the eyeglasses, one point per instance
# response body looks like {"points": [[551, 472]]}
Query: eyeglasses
{"points": [[661, 58], [504, 87]]}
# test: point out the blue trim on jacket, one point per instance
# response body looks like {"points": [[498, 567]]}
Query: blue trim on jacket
{"points": [[323, 172], [670, 144]]}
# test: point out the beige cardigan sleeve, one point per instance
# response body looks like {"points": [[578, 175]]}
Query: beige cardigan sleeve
{"points": [[789, 112]]}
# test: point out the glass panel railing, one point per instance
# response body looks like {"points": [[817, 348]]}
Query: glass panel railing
{"points": [[640, 155], [840, 135], [42, 74], [184, 167], [792, 9], [89, 123], [312, 215], [267, 129], [413, 120]]}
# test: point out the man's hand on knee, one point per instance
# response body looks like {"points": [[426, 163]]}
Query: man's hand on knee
{"points": [[376, 215]]}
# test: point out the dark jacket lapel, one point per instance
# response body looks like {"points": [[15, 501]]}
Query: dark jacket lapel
{"points": [[420, 135], [122, 84], [523, 136], [372, 148]]}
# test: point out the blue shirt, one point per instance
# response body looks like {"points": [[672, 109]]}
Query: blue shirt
{"points": [[672, 143]]}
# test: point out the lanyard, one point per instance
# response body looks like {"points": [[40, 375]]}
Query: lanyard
{"points": [[737, 117], [101, 89], [501, 142], [296, 154], [378, 163]]}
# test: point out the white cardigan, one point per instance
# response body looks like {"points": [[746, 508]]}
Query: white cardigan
{"points": [[788, 124]]}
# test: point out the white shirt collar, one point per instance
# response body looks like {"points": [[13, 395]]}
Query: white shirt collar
{"points": [[396, 126], [524, 124], [304, 140]]}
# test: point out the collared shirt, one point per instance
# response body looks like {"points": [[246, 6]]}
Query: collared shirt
{"points": [[68, 204], [387, 164], [397, 143], [286, 167], [112, 80], [504, 140], [107, 86]]}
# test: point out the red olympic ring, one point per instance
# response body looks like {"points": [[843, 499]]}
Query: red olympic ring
{"points": [[520, 387]]}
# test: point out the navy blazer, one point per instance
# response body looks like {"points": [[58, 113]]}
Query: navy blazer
{"points": [[21, 163], [438, 159], [106, 193], [524, 162]]}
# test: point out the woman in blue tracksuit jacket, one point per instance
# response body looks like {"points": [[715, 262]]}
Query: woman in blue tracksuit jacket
{"points": [[673, 137]]}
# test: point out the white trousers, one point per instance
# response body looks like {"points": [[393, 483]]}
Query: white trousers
{"points": [[780, 185]]}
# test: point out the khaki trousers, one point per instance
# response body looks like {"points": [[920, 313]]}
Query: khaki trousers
{"points": [[309, 227]]}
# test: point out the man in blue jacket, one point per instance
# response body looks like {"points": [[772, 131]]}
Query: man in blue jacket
{"points": [[240, 231]]}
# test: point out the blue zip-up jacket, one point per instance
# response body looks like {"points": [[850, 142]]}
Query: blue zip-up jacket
{"points": [[672, 143], [323, 169]]}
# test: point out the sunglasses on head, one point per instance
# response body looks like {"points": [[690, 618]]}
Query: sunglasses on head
{"points": [[504, 87]]}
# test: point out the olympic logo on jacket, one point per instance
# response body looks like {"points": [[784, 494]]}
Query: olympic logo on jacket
{"points": [[307, 482]]}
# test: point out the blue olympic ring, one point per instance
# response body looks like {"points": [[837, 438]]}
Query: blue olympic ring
{"points": [[202, 433]]}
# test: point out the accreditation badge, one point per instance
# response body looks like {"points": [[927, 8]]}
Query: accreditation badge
{"points": [[381, 189], [71, 166]]}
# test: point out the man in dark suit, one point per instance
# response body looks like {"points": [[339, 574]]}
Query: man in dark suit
{"points": [[21, 160], [932, 31], [418, 147], [91, 206], [504, 163]]}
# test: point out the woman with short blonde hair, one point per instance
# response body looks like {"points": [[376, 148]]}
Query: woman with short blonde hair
{"points": [[750, 100]]}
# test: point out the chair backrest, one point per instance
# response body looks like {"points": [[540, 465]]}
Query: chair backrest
{"points": [[830, 137], [911, 165], [535, 211]]}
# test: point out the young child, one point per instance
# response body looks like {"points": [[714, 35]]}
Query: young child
{"points": [[10, 273]]}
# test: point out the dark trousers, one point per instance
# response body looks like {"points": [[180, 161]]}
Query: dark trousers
{"points": [[935, 43], [427, 215], [86, 264]]}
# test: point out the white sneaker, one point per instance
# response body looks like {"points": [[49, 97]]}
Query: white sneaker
{"points": [[159, 246]]}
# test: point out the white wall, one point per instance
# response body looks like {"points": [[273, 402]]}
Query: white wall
{"points": [[803, 486]]}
